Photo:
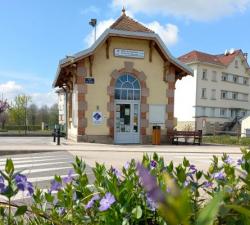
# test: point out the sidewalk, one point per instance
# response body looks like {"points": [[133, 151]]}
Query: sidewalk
{"points": [[28, 144]]}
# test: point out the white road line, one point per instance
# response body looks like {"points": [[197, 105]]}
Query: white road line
{"points": [[48, 178], [37, 164], [30, 171], [35, 160], [34, 157]]}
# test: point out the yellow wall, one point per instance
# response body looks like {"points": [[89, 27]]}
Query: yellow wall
{"points": [[102, 68]]}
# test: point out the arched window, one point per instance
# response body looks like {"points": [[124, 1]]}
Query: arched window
{"points": [[127, 87]]}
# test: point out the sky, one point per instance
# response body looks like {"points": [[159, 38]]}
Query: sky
{"points": [[35, 35]]}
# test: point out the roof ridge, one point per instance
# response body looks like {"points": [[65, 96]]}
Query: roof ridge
{"points": [[125, 22]]}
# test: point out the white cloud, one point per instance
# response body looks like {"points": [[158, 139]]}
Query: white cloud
{"points": [[169, 32], [10, 89], [101, 27], [201, 10]]}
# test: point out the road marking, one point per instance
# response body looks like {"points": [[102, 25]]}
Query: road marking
{"points": [[30, 171], [37, 164]]}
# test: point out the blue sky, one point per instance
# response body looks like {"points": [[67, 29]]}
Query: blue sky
{"points": [[35, 35]]}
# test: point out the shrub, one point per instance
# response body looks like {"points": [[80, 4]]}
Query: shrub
{"points": [[150, 192]]}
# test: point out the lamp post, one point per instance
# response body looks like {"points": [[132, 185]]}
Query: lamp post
{"points": [[93, 23]]}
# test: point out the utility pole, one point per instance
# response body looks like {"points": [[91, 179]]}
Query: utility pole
{"points": [[93, 23]]}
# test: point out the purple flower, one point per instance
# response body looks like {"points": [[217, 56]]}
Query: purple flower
{"points": [[150, 184], [21, 186], [207, 184], [55, 185], [2, 184], [193, 169], [69, 178], [240, 162], [218, 176], [229, 160], [20, 178], [106, 201], [116, 172], [186, 183], [127, 165], [92, 201], [30, 188], [61, 211], [151, 204], [153, 164]]}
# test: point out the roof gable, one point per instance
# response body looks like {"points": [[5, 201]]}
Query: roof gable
{"points": [[222, 59], [128, 24]]}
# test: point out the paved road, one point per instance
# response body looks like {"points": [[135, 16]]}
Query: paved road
{"points": [[40, 168]]}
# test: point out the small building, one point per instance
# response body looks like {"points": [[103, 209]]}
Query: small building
{"points": [[220, 91], [121, 86], [245, 127]]}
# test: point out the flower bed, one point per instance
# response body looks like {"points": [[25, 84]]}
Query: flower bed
{"points": [[150, 192]]}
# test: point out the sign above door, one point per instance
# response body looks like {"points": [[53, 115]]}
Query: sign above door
{"points": [[127, 53]]}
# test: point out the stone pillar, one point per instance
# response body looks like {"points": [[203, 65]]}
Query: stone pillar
{"points": [[170, 96], [82, 104]]}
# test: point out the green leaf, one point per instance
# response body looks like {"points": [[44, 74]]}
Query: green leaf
{"points": [[137, 212], [209, 212], [21, 210], [239, 209], [125, 221], [9, 167]]}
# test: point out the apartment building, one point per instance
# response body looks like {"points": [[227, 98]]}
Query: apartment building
{"points": [[218, 94]]}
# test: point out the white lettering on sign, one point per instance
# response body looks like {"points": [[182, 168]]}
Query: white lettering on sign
{"points": [[118, 52]]}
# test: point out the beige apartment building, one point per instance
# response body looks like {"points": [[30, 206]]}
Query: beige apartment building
{"points": [[120, 87], [218, 94]]}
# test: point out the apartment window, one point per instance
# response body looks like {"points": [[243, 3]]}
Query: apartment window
{"points": [[235, 79], [224, 77], [213, 95], [203, 111], [214, 76], [204, 74], [223, 94], [234, 96], [245, 81], [236, 64], [203, 93], [223, 112], [245, 97], [212, 112]]}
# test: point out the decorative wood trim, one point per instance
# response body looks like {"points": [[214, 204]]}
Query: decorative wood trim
{"points": [[151, 47], [91, 60], [107, 47], [166, 70]]}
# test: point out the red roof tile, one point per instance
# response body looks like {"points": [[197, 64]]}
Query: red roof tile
{"points": [[222, 59], [128, 24]]}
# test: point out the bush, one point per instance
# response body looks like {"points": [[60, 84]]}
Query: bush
{"points": [[149, 192], [224, 139], [22, 127]]}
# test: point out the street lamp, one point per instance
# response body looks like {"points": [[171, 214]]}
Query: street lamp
{"points": [[93, 23]]}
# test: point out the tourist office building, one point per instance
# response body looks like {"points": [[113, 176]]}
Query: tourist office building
{"points": [[120, 87]]}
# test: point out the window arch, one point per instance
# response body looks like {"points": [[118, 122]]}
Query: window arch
{"points": [[127, 87]]}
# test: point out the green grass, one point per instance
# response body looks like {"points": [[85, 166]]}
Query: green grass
{"points": [[227, 140]]}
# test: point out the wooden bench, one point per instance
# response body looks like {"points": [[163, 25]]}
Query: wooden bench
{"points": [[174, 136]]}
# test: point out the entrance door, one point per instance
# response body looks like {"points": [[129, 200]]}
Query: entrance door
{"points": [[127, 117]]}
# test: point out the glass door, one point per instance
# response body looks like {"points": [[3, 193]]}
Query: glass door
{"points": [[127, 117]]}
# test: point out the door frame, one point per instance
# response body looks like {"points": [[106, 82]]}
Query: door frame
{"points": [[129, 102]]}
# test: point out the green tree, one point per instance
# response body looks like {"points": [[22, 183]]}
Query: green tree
{"points": [[33, 114], [18, 111], [53, 115]]}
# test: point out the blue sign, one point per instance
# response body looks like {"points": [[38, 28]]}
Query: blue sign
{"points": [[97, 117], [89, 80]]}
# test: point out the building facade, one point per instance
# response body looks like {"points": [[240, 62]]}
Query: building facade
{"points": [[219, 91], [121, 86]]}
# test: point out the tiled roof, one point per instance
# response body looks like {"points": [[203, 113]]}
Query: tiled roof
{"points": [[126, 23], [222, 59]]}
